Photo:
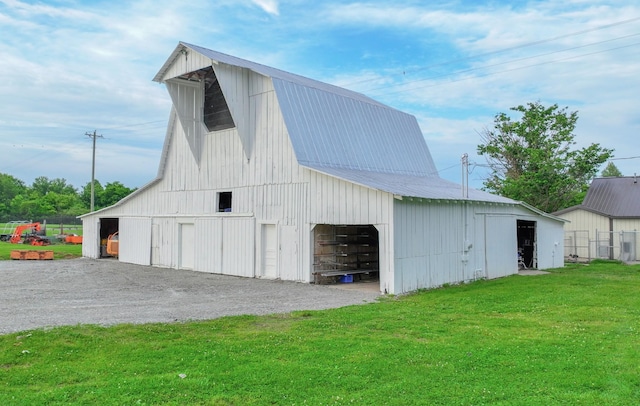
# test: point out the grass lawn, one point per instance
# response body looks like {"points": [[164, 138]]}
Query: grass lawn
{"points": [[60, 250], [569, 337]]}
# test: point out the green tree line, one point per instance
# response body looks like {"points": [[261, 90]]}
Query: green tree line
{"points": [[53, 197]]}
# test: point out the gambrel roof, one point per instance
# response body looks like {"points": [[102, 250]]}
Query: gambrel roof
{"points": [[348, 135], [615, 197]]}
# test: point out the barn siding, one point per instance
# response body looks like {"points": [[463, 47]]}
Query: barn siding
{"points": [[189, 62], [438, 242], [549, 238], [91, 237], [428, 240], [135, 240], [584, 226], [581, 228], [585, 220], [501, 245]]}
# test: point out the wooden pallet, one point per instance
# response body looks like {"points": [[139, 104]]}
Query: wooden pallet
{"points": [[31, 254]]}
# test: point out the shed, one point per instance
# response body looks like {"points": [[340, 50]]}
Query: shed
{"points": [[607, 222], [268, 174]]}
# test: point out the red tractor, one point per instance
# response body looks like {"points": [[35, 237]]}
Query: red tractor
{"points": [[32, 238]]}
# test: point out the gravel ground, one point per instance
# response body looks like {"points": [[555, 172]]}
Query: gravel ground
{"points": [[37, 294]]}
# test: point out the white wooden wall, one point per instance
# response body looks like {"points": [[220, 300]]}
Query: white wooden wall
{"points": [[259, 168], [428, 242], [135, 240], [585, 220], [549, 238], [91, 237], [438, 242]]}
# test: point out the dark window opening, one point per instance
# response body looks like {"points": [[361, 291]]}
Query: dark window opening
{"points": [[224, 201], [216, 111]]}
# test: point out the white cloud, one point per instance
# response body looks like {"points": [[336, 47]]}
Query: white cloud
{"points": [[269, 6]]}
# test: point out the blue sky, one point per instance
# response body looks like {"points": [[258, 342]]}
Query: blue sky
{"points": [[71, 67]]}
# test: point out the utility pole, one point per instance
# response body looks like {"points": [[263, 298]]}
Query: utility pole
{"points": [[464, 161], [93, 164]]}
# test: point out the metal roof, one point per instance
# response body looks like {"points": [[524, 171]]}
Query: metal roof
{"points": [[348, 135], [426, 187], [613, 197], [337, 131]]}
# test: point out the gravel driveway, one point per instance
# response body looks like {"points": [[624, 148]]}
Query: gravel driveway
{"points": [[36, 294]]}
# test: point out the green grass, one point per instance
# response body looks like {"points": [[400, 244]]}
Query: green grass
{"points": [[60, 251], [570, 337]]}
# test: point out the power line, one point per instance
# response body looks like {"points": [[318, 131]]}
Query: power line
{"points": [[516, 69], [525, 45], [511, 61], [133, 125], [629, 157]]}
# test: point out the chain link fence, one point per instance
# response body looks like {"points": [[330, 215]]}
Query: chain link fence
{"points": [[584, 246]]}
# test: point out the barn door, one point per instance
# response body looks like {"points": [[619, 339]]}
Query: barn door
{"points": [[186, 254], [269, 251], [501, 248], [135, 240]]}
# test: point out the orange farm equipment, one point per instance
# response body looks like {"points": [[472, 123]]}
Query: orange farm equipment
{"points": [[32, 238], [113, 244]]}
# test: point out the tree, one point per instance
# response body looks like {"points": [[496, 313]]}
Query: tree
{"points": [[611, 171], [105, 196], [43, 185], [10, 187], [113, 192], [85, 195], [531, 159]]}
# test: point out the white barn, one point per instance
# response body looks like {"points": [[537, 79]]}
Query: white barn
{"points": [[272, 175]]}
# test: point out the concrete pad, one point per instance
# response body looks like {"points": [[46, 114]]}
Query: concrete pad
{"points": [[527, 272]]}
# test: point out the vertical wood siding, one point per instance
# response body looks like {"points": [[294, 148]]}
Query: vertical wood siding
{"points": [[261, 172], [501, 245], [428, 243], [549, 239], [225, 245], [135, 240], [91, 237], [190, 62], [455, 241]]}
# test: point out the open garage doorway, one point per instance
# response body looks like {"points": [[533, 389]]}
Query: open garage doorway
{"points": [[108, 226], [345, 254], [527, 244]]}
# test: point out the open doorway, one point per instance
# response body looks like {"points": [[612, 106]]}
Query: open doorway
{"points": [[108, 226], [345, 254], [527, 245]]}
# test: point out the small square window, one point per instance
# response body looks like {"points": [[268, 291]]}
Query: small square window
{"points": [[224, 202]]}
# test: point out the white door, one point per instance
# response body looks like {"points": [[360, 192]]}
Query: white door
{"points": [[501, 246], [269, 255], [186, 255], [135, 240]]}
